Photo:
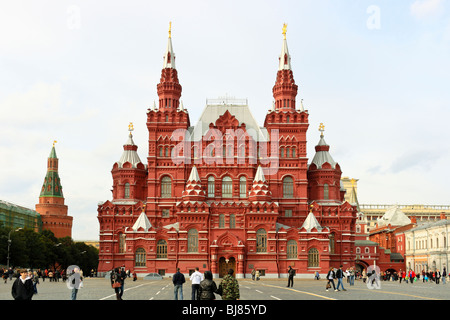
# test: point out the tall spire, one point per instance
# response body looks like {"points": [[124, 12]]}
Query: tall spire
{"points": [[285, 89], [169, 56], [285, 58], [169, 88], [52, 184]]}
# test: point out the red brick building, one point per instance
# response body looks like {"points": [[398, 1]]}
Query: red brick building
{"points": [[226, 193], [51, 205]]}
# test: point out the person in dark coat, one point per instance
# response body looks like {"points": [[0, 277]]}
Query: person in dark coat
{"points": [[207, 288], [22, 288], [178, 280], [118, 276], [291, 274]]}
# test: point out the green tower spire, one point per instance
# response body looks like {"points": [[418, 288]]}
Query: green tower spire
{"points": [[52, 183]]}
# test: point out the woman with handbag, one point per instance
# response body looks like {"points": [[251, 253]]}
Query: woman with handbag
{"points": [[117, 282], [330, 277]]}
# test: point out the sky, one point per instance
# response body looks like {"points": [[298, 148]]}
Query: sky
{"points": [[375, 73]]}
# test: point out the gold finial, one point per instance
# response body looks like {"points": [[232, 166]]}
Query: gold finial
{"points": [[170, 29], [130, 127], [54, 141], [321, 129], [284, 30]]}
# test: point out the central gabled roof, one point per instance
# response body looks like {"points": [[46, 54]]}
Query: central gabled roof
{"points": [[214, 109]]}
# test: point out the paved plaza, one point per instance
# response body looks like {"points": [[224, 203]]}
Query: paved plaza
{"points": [[265, 289]]}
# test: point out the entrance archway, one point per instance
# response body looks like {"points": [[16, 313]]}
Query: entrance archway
{"points": [[225, 264]]}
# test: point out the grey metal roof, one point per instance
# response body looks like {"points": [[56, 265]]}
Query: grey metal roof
{"points": [[322, 157], [130, 156], [395, 217], [240, 111]]}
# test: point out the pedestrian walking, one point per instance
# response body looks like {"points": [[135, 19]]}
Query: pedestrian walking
{"points": [[444, 275], [22, 288], [351, 276], [253, 274], [291, 274], [35, 279], [316, 275], [257, 275], [330, 277], [178, 280], [207, 287], [229, 287], [364, 276], [74, 281], [340, 275], [438, 276], [196, 277], [118, 282]]}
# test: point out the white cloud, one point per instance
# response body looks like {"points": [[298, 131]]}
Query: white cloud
{"points": [[422, 9]]}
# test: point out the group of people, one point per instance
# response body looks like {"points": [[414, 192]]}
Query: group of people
{"points": [[52, 275], [204, 287], [339, 274], [411, 276]]}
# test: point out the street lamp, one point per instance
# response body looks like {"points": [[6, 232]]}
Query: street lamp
{"points": [[9, 243]]}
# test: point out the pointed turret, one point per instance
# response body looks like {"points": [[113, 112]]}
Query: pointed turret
{"points": [[169, 88], [260, 189], [193, 190], [52, 184], [169, 56], [142, 223], [322, 152], [51, 205], [129, 173], [311, 223], [324, 175], [129, 151], [285, 89]]}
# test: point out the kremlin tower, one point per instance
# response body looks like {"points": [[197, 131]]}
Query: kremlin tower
{"points": [[51, 205]]}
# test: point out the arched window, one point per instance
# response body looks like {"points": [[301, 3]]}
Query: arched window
{"points": [[291, 249], [232, 221], [211, 187], [140, 258], [242, 187], [221, 221], [227, 187], [326, 192], [192, 240], [261, 240], [166, 187], [127, 190], [313, 258], [288, 187], [161, 249]]}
